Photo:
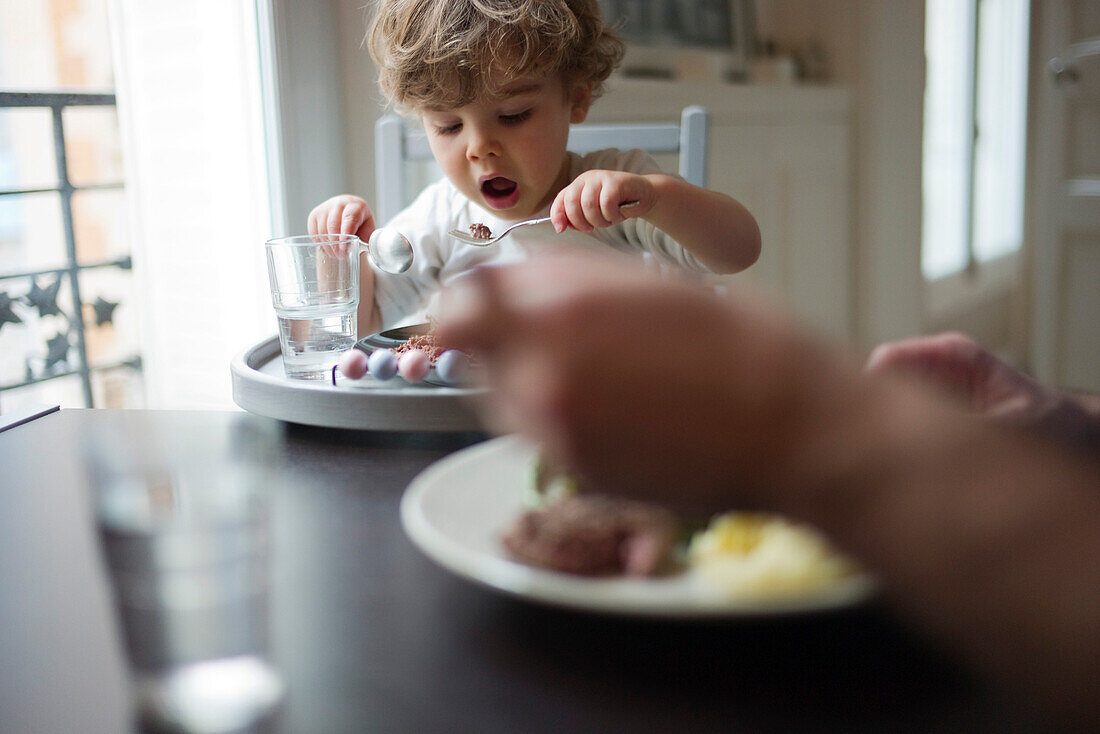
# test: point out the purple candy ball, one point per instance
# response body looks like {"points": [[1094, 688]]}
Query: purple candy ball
{"points": [[382, 363], [453, 367]]}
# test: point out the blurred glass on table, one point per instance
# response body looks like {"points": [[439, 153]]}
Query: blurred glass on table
{"points": [[186, 541], [315, 292]]}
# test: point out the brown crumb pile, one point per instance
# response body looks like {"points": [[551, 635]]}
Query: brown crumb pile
{"points": [[425, 342], [480, 231]]}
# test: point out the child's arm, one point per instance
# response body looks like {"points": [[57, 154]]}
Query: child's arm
{"points": [[712, 226], [348, 214]]}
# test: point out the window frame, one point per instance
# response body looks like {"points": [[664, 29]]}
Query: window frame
{"points": [[962, 298]]}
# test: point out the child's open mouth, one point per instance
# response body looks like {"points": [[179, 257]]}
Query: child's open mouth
{"points": [[500, 192]]}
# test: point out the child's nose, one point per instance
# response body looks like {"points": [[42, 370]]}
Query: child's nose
{"points": [[482, 143]]}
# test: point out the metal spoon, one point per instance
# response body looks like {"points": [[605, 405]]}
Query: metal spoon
{"points": [[469, 239], [390, 250]]}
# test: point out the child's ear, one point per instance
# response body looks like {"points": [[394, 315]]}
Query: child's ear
{"points": [[581, 100]]}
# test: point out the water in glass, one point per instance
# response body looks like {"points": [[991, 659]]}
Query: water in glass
{"points": [[314, 338]]}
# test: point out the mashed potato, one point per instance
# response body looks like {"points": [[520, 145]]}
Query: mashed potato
{"points": [[757, 555]]}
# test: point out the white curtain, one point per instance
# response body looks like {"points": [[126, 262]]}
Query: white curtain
{"points": [[191, 115]]}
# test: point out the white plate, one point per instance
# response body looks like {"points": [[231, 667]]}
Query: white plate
{"points": [[457, 509]]}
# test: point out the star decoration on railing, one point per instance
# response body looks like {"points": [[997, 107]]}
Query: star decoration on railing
{"points": [[104, 311], [57, 350], [44, 299], [30, 300], [7, 315]]}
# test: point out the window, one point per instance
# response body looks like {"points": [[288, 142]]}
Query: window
{"points": [[67, 313], [188, 139], [975, 110]]}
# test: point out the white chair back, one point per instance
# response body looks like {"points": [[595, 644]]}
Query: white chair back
{"points": [[397, 143]]}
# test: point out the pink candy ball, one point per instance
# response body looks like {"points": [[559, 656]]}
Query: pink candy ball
{"points": [[353, 364], [414, 365]]}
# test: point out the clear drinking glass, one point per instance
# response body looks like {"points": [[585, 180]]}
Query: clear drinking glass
{"points": [[185, 537], [315, 292]]}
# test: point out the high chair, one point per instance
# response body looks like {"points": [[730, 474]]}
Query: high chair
{"points": [[398, 143]]}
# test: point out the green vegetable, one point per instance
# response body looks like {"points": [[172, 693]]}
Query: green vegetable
{"points": [[548, 484]]}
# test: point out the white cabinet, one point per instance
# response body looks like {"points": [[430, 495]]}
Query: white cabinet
{"points": [[786, 154]]}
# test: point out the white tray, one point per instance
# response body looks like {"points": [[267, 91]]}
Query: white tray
{"points": [[260, 386]]}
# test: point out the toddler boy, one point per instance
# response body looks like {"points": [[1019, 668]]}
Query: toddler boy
{"points": [[496, 86]]}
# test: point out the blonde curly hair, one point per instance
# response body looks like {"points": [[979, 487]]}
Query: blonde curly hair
{"points": [[444, 53]]}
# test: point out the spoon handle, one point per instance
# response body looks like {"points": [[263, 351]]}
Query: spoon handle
{"points": [[541, 220]]}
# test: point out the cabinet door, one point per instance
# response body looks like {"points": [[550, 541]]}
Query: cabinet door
{"points": [[796, 181]]}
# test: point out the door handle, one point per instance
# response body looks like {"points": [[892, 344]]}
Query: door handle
{"points": [[1063, 68]]}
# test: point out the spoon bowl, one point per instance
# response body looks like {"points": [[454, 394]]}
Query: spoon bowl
{"points": [[389, 250]]}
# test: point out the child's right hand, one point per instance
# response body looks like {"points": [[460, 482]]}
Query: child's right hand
{"points": [[347, 214], [344, 214]]}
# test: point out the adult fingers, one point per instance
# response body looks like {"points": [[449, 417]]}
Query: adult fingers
{"points": [[473, 314], [497, 304], [925, 352]]}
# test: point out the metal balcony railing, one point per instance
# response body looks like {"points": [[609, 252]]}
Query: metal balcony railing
{"points": [[58, 357]]}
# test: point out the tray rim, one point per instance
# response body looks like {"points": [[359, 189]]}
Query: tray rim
{"points": [[443, 409]]}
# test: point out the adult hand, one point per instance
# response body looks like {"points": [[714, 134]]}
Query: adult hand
{"points": [[960, 365], [988, 385], [585, 357]]}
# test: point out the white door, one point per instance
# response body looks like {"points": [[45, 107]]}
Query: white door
{"points": [[1064, 190]]}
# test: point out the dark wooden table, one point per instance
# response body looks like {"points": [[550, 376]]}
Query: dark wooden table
{"points": [[371, 636]]}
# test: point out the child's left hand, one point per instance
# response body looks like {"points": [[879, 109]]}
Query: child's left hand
{"points": [[593, 199]]}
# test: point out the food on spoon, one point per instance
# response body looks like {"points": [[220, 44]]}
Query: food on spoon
{"points": [[480, 232]]}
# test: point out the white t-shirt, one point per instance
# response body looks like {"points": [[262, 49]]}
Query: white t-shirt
{"points": [[438, 259]]}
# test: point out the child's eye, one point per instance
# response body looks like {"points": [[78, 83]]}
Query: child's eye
{"points": [[516, 118], [448, 129]]}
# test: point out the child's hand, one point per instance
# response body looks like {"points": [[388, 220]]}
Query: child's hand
{"points": [[594, 197], [344, 214], [348, 214]]}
